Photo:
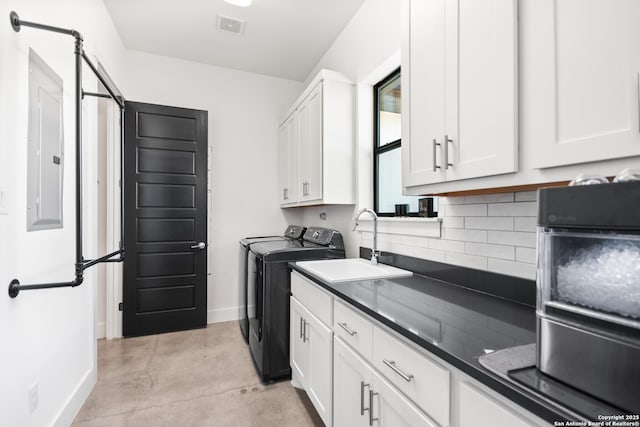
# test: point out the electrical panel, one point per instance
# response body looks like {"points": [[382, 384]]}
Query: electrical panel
{"points": [[45, 147]]}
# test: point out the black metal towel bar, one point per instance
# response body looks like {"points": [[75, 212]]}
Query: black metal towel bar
{"points": [[81, 264]]}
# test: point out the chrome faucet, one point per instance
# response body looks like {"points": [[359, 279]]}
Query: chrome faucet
{"points": [[374, 251]]}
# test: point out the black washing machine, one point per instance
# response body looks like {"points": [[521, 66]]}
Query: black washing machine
{"points": [[268, 302], [293, 232]]}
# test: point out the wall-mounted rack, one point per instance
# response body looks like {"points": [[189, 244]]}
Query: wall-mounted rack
{"points": [[81, 264]]}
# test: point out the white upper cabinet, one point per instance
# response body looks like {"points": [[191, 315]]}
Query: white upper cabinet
{"points": [[310, 153], [423, 101], [585, 62], [316, 160], [288, 161], [459, 89]]}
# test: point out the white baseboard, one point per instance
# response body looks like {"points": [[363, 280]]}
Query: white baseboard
{"points": [[101, 330], [223, 314], [76, 400]]}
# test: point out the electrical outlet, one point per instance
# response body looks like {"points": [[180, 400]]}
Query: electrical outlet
{"points": [[34, 398], [4, 209]]}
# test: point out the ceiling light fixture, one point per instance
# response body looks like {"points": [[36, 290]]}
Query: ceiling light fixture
{"points": [[241, 3]]}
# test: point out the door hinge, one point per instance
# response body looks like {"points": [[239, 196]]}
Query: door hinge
{"points": [[120, 306]]}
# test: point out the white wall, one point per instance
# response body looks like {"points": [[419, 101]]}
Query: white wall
{"points": [[47, 336], [366, 51], [244, 113], [494, 232], [372, 35]]}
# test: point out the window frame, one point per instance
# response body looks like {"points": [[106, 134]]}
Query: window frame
{"points": [[377, 150]]}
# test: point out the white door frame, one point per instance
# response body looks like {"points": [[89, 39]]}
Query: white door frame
{"points": [[113, 316], [114, 270]]}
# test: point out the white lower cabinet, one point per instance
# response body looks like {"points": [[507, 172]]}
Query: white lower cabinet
{"points": [[298, 349], [393, 409], [478, 409], [320, 368], [363, 398], [311, 358], [364, 374], [420, 378], [351, 386]]}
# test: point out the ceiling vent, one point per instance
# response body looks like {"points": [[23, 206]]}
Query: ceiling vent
{"points": [[231, 25]]}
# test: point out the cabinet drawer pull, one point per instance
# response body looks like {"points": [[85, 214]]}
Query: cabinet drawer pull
{"points": [[346, 328], [435, 166], [362, 408], [371, 419], [392, 365], [447, 140], [301, 320]]}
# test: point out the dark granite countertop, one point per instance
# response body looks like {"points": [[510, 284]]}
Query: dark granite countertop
{"points": [[455, 323]]}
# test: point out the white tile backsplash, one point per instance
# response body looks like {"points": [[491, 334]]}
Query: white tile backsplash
{"points": [[452, 222], [479, 209], [446, 245], [465, 260], [430, 254], [489, 198], [513, 209], [514, 238], [489, 223], [527, 196], [526, 255], [525, 223], [465, 235], [450, 201], [490, 251], [494, 232]]}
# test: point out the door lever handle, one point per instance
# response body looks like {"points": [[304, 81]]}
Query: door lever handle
{"points": [[200, 246]]}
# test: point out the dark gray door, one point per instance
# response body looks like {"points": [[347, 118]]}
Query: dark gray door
{"points": [[165, 272]]}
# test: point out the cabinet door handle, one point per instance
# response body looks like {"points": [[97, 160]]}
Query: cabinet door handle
{"points": [[371, 419], [392, 365], [447, 140], [362, 408], [301, 320], [435, 166], [346, 328], [285, 194], [305, 338]]}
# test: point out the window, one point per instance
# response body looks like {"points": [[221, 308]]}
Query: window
{"points": [[387, 155], [387, 159]]}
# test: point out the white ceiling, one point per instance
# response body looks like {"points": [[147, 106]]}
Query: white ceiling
{"points": [[282, 38]]}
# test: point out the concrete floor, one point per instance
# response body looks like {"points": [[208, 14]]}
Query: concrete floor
{"points": [[203, 377]]}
